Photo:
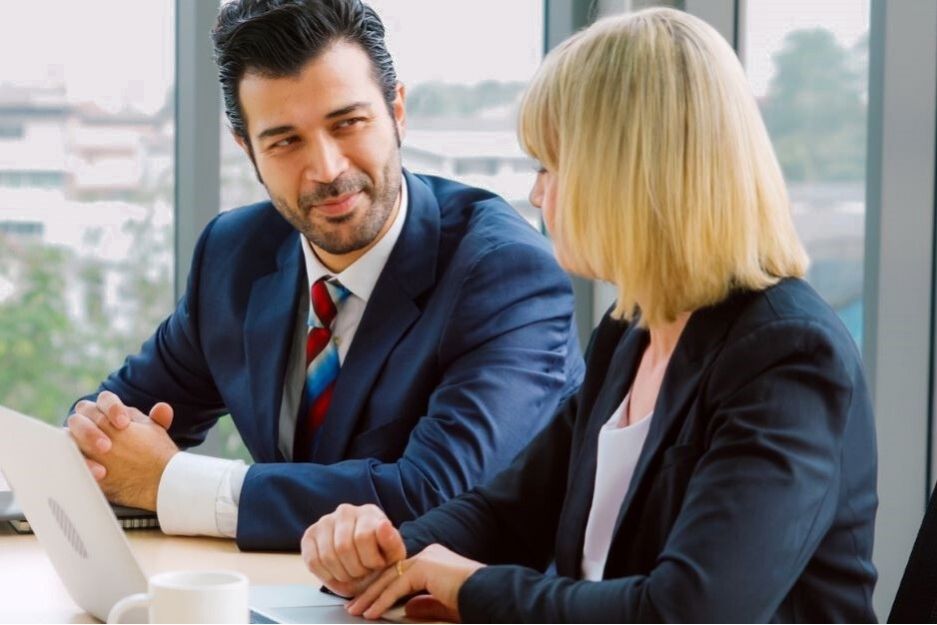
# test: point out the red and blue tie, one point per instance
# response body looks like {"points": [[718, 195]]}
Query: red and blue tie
{"points": [[322, 364]]}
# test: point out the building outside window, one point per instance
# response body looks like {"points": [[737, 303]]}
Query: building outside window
{"points": [[86, 187]]}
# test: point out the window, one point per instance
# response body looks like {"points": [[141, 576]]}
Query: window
{"points": [[11, 130], [86, 183], [462, 95], [807, 61], [461, 105]]}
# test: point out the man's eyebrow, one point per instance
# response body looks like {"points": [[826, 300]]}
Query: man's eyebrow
{"points": [[276, 130], [345, 110]]}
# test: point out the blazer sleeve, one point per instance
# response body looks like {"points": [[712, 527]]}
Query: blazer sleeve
{"points": [[514, 517], [504, 377], [761, 497], [170, 367]]}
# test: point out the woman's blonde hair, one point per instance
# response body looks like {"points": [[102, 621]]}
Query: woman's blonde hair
{"points": [[667, 183]]}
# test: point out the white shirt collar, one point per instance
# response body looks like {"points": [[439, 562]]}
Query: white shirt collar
{"points": [[361, 276]]}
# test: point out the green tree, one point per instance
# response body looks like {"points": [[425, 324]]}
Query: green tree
{"points": [[45, 353], [815, 109]]}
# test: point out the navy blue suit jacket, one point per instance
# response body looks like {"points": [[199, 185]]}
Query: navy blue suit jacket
{"points": [[753, 499], [465, 349]]}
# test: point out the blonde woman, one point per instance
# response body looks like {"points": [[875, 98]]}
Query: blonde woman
{"points": [[719, 461]]}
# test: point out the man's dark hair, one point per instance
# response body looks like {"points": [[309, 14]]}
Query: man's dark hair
{"points": [[276, 38]]}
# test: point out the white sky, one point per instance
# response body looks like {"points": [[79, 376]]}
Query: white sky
{"points": [[107, 51], [767, 22], [120, 51], [117, 52]]}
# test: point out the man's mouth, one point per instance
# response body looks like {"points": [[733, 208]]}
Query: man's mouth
{"points": [[337, 206]]}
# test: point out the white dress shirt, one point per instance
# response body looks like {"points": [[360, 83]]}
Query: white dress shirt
{"points": [[199, 495], [618, 452]]}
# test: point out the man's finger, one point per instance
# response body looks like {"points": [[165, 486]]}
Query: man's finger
{"points": [[116, 411], [390, 542], [90, 410], [162, 414], [91, 440], [327, 555], [343, 539], [97, 470], [311, 556], [366, 544]]}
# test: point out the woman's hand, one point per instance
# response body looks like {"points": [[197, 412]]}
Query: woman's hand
{"points": [[436, 570], [349, 548]]}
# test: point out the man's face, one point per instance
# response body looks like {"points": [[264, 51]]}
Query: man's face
{"points": [[326, 148]]}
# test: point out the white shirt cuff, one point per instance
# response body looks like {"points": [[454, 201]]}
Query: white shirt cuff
{"points": [[198, 495]]}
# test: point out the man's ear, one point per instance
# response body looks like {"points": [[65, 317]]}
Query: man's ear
{"points": [[243, 143], [400, 109]]}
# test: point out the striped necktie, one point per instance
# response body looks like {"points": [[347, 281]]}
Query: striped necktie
{"points": [[321, 364]]}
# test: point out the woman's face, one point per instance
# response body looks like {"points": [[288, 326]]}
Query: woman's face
{"points": [[543, 196]]}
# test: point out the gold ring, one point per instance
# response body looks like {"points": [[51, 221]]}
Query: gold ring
{"points": [[399, 566]]}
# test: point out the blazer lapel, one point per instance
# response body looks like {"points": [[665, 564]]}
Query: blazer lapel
{"points": [[690, 360], [392, 309], [271, 309], [621, 371]]}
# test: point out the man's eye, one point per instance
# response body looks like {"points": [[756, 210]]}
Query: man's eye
{"points": [[347, 123], [283, 142]]}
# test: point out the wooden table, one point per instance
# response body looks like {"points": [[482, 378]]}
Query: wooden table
{"points": [[31, 591]]}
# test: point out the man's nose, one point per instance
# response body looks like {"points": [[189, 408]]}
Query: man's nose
{"points": [[325, 161]]}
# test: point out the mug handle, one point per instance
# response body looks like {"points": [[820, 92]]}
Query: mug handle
{"points": [[138, 600]]}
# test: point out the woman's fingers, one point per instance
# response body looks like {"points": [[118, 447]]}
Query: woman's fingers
{"points": [[400, 586], [364, 600]]}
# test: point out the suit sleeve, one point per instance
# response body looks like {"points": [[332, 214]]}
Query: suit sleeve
{"points": [[503, 359], [170, 367], [761, 497], [513, 518]]}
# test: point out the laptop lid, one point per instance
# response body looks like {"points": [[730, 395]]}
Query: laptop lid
{"points": [[78, 530], [68, 513]]}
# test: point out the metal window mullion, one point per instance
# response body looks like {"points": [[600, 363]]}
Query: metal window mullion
{"points": [[197, 157], [723, 15], [899, 271], [197, 145], [561, 19]]}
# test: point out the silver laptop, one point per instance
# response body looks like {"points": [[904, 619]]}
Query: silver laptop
{"points": [[78, 530]]}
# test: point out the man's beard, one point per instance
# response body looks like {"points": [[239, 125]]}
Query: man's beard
{"points": [[337, 240]]}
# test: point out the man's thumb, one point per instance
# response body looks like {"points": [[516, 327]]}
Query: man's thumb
{"points": [[161, 413], [390, 542]]}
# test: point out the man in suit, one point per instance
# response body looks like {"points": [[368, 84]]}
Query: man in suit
{"points": [[377, 336]]}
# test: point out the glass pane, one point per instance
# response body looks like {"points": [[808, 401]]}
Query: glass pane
{"points": [[86, 190], [808, 64], [462, 96]]}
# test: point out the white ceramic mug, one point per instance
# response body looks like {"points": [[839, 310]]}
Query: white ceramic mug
{"points": [[190, 597]]}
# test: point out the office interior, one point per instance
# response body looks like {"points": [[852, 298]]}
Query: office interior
{"points": [[114, 154]]}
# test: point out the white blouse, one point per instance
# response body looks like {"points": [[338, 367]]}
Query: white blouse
{"points": [[619, 448]]}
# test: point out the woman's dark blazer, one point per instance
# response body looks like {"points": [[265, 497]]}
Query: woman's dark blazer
{"points": [[753, 499]]}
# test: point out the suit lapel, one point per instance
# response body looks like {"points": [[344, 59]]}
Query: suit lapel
{"points": [[697, 346], [621, 371], [271, 308], [392, 309]]}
